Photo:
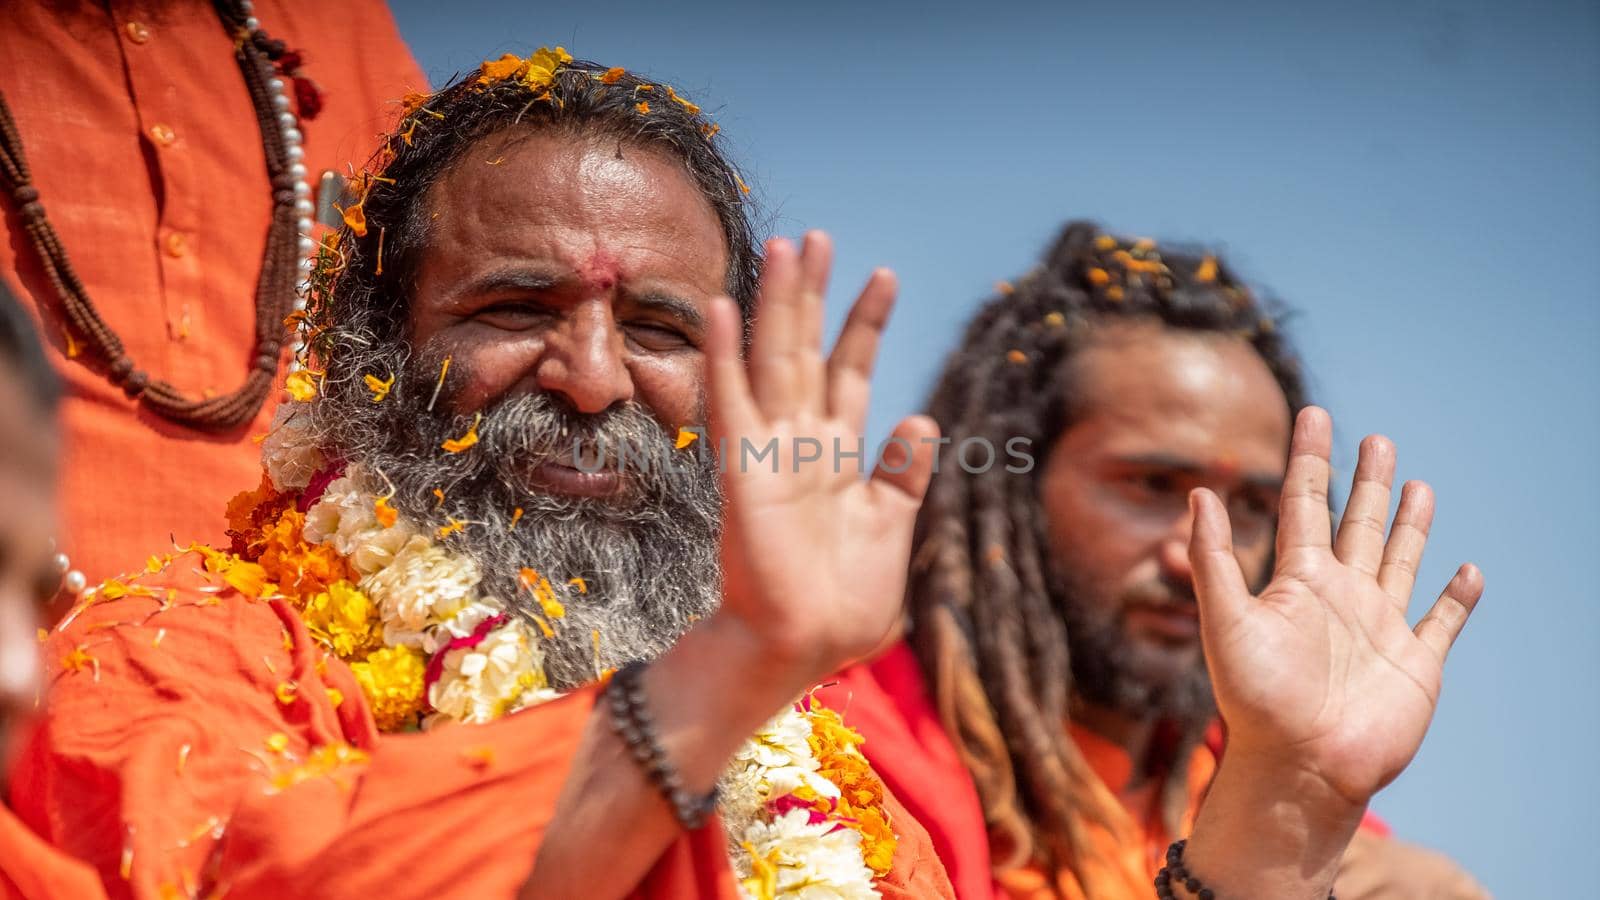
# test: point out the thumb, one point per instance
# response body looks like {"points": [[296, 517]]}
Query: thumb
{"points": [[1219, 584]]}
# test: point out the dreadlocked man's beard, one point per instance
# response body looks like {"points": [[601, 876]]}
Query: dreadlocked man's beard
{"points": [[1126, 675], [647, 556]]}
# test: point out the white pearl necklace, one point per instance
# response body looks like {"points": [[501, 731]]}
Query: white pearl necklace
{"points": [[304, 209]]}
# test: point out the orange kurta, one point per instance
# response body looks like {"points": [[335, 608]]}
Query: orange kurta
{"points": [[194, 742], [30, 869], [148, 159]]}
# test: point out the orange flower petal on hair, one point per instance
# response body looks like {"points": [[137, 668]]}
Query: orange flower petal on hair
{"points": [[1004, 288], [301, 386], [1105, 242], [613, 75], [356, 218], [685, 438], [1208, 270], [580, 584], [673, 96], [451, 526], [1017, 356], [1055, 319], [1114, 293], [710, 129], [507, 66], [516, 516], [379, 387], [643, 106], [438, 496], [384, 513], [1098, 276], [743, 188], [456, 445]]}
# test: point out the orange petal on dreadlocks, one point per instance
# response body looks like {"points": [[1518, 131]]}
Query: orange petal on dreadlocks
{"points": [[643, 106], [613, 75], [456, 445], [356, 218], [1207, 271]]}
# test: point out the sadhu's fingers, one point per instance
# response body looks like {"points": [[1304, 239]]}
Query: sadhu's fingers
{"points": [[1362, 528], [733, 409], [816, 261], [1443, 623], [774, 379], [1219, 584], [906, 464], [856, 352], [1402, 555], [1303, 512]]}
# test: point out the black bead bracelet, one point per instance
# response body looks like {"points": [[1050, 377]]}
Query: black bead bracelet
{"points": [[1174, 870], [632, 722]]}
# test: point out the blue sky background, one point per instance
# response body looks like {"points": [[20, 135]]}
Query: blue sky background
{"points": [[1420, 180]]}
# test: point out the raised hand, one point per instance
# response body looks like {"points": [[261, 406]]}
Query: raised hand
{"points": [[814, 556], [1321, 670]]}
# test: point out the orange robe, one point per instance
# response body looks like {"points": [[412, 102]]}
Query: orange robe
{"points": [[197, 741], [31, 869], [144, 146]]}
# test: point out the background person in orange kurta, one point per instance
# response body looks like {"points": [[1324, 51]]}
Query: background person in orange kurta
{"points": [[30, 869], [150, 162], [1055, 609]]}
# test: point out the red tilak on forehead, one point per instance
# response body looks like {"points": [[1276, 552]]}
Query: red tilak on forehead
{"points": [[600, 271], [1226, 465]]}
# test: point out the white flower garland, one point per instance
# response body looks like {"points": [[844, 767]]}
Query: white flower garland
{"points": [[428, 599]]}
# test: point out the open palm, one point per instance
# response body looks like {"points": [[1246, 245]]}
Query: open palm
{"points": [[1321, 667], [814, 556]]}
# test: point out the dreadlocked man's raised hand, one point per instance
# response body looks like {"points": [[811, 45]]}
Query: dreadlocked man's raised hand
{"points": [[814, 556], [1326, 691]]}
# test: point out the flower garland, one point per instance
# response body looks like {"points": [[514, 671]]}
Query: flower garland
{"points": [[803, 811]]}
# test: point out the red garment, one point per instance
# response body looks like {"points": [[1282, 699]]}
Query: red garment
{"points": [[191, 741], [887, 701], [31, 869], [148, 159]]}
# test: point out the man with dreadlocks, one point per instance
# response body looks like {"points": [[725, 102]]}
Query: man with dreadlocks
{"points": [[1054, 634], [394, 682]]}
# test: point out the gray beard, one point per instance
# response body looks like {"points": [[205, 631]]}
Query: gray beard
{"points": [[647, 557]]}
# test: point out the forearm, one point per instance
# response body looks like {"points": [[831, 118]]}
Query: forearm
{"points": [[706, 695], [1266, 831]]}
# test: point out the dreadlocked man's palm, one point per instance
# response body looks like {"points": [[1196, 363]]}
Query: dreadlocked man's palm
{"points": [[1321, 669], [814, 557]]}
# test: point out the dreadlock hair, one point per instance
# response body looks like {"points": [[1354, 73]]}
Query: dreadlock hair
{"points": [[23, 356], [982, 594], [360, 287]]}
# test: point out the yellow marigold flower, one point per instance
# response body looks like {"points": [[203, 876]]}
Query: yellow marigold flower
{"points": [[301, 386], [613, 75], [391, 679], [344, 619], [379, 387], [542, 67], [507, 66], [456, 445], [643, 106]]}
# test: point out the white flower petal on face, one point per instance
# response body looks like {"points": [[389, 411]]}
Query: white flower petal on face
{"points": [[289, 452]]}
